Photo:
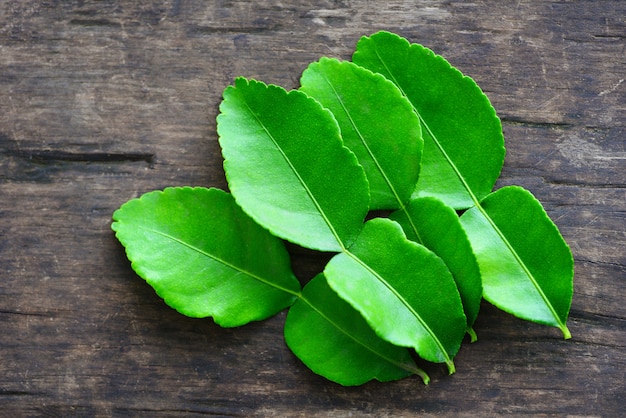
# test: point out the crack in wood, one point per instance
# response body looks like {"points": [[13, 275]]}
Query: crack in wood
{"points": [[18, 393], [94, 22], [533, 124], [52, 156], [264, 26], [8, 312], [597, 317], [600, 263], [597, 185]]}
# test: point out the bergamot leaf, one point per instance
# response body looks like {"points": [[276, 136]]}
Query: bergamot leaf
{"points": [[377, 123], [204, 256], [287, 167], [403, 290], [463, 141], [430, 222], [334, 340], [527, 268]]}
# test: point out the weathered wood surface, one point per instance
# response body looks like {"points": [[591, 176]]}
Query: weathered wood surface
{"points": [[102, 101]]}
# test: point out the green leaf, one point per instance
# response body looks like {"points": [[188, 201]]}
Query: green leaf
{"points": [[334, 340], [204, 256], [463, 141], [287, 167], [403, 290], [430, 222], [527, 268], [377, 123], [463, 155]]}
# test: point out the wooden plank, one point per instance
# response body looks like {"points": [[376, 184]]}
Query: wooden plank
{"points": [[102, 101]]}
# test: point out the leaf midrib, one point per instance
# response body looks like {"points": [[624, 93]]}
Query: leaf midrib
{"points": [[408, 306], [298, 176], [219, 260], [516, 256], [402, 205], [403, 366]]}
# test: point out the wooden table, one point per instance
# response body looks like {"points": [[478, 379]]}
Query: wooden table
{"points": [[103, 101]]}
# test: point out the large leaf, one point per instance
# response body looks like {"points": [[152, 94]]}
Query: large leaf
{"points": [[403, 290], [430, 222], [463, 141], [204, 256], [287, 166], [377, 123], [527, 268], [334, 340]]}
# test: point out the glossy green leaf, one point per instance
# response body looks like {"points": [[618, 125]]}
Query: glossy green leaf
{"points": [[527, 268], [463, 141], [287, 166], [204, 256], [403, 290], [463, 155], [430, 222], [334, 340], [377, 123]]}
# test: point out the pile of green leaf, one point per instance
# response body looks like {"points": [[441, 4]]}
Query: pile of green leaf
{"points": [[398, 130]]}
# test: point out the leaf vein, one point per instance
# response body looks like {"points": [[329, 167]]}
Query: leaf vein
{"points": [[404, 366], [219, 260], [408, 306], [298, 176]]}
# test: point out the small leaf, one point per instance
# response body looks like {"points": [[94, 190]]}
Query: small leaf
{"points": [[430, 222], [404, 291], [287, 167], [377, 123], [463, 141], [527, 268], [204, 256], [334, 341]]}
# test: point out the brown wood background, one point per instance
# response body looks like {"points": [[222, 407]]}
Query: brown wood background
{"points": [[101, 101]]}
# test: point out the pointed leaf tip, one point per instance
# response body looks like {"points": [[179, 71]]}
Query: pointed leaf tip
{"points": [[404, 291], [334, 340], [526, 265]]}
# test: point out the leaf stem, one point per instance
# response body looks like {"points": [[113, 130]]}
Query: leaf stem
{"points": [[473, 337]]}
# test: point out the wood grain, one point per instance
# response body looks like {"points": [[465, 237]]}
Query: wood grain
{"points": [[103, 101]]}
